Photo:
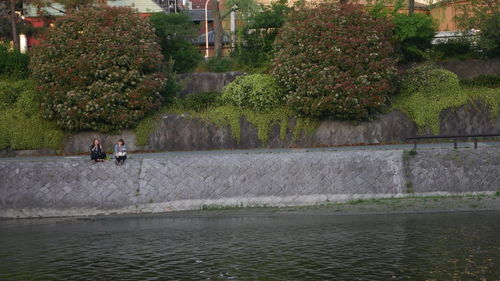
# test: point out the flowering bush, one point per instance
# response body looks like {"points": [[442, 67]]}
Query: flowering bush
{"points": [[335, 61], [99, 68], [257, 91]]}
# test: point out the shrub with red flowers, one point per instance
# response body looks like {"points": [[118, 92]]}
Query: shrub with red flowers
{"points": [[335, 61], [99, 68]]}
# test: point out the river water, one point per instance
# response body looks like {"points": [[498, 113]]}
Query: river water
{"points": [[254, 245]]}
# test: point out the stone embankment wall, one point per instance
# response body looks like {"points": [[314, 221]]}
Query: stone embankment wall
{"points": [[195, 83], [75, 187], [466, 69], [181, 133]]}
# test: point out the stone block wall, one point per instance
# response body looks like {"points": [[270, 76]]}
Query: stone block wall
{"points": [[75, 187]]}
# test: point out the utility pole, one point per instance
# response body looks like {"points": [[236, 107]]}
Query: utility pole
{"points": [[15, 36], [218, 31], [411, 7]]}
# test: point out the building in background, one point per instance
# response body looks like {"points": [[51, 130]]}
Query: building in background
{"points": [[444, 13], [44, 17]]}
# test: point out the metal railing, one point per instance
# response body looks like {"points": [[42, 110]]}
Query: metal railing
{"points": [[455, 138]]}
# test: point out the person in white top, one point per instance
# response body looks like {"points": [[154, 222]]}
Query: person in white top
{"points": [[120, 152]]}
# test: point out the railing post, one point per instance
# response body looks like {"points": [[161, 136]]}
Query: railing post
{"points": [[455, 144], [415, 145], [475, 143]]}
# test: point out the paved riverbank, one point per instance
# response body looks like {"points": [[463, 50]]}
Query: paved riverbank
{"points": [[162, 154], [152, 183]]}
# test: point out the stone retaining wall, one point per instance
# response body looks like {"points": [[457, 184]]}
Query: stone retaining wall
{"points": [[74, 187], [196, 83], [466, 69], [181, 133]]}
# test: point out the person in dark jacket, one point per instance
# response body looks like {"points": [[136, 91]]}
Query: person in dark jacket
{"points": [[96, 152], [120, 152]]}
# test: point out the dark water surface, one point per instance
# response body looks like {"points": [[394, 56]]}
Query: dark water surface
{"points": [[248, 245]]}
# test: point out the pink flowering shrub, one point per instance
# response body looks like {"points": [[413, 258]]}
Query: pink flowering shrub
{"points": [[335, 61], [99, 68]]}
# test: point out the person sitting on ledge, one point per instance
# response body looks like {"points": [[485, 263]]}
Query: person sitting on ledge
{"points": [[120, 152], [96, 152]]}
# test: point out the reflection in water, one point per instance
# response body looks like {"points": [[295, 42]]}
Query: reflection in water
{"points": [[252, 245]]}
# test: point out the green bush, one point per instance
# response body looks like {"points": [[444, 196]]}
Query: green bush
{"points": [[219, 64], [258, 92], [10, 91], [424, 108], [487, 81], [458, 48], [99, 68], [428, 78], [175, 32], [198, 102], [335, 61], [428, 90], [13, 64], [414, 34], [21, 124], [216, 64]]}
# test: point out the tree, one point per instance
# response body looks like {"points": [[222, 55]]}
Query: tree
{"points": [[174, 32], [482, 15], [245, 7], [255, 46], [99, 69], [411, 7], [335, 61], [414, 34], [13, 24], [490, 34]]}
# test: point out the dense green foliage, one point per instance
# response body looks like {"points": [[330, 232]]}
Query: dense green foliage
{"points": [[427, 91], [335, 61], [414, 34], [487, 81], [255, 46], [175, 32], [482, 15], [217, 64], [427, 78], [198, 102], [460, 48], [258, 92], [385, 8], [21, 124], [13, 64], [490, 34], [100, 69]]}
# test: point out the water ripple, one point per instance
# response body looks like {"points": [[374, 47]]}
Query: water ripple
{"points": [[254, 246]]}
